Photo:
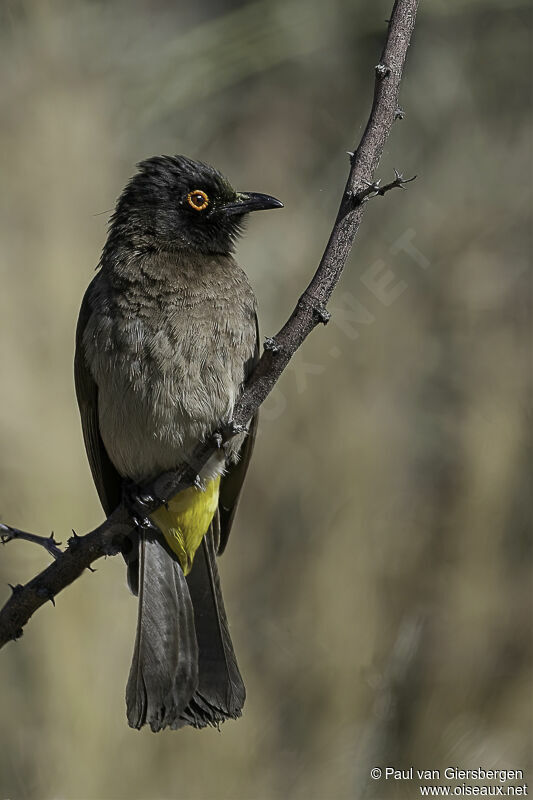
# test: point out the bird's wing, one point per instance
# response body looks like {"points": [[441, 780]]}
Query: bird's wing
{"points": [[232, 481], [106, 478]]}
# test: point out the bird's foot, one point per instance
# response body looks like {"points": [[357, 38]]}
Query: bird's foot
{"points": [[140, 504], [226, 431]]}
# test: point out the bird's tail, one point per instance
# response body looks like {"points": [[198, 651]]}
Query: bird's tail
{"points": [[220, 693], [164, 669], [184, 670]]}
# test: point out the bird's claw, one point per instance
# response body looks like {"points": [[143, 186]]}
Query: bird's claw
{"points": [[140, 505], [235, 428], [227, 431]]}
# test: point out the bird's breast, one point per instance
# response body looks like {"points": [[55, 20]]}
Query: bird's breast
{"points": [[168, 373]]}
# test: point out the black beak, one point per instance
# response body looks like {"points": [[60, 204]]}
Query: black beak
{"points": [[251, 201]]}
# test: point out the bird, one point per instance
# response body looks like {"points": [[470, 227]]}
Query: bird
{"points": [[167, 335]]}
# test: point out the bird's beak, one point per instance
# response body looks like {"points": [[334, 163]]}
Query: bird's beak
{"points": [[251, 201]]}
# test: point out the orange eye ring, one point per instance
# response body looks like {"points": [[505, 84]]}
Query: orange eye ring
{"points": [[198, 200]]}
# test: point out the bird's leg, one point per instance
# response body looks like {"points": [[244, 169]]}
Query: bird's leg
{"points": [[222, 438], [140, 504], [226, 431]]}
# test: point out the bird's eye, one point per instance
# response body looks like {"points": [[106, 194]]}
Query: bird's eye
{"points": [[198, 200]]}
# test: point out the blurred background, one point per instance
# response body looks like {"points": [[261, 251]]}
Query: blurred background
{"points": [[378, 579]]}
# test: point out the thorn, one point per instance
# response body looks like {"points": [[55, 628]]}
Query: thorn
{"points": [[322, 313], [17, 635], [17, 588], [382, 71], [373, 185], [74, 534], [51, 540], [43, 591], [399, 113], [271, 344], [400, 181], [92, 569], [114, 547]]}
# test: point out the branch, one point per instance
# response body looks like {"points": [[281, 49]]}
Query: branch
{"points": [[309, 312], [374, 188], [7, 534]]}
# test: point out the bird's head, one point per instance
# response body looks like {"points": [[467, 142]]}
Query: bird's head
{"points": [[176, 203]]}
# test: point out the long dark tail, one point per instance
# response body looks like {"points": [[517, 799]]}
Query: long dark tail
{"points": [[164, 669], [184, 670], [220, 693]]}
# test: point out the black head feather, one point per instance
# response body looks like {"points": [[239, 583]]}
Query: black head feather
{"points": [[155, 210]]}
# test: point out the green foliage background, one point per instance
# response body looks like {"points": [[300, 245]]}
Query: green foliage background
{"points": [[378, 580]]}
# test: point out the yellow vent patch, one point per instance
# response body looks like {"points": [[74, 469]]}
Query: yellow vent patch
{"points": [[187, 519]]}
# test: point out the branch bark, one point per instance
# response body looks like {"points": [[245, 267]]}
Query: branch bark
{"points": [[310, 311]]}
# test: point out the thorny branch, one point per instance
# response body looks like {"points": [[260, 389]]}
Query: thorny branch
{"points": [[7, 534], [310, 311], [374, 188]]}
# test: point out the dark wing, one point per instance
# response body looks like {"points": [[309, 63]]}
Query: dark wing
{"points": [[107, 480], [231, 483]]}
